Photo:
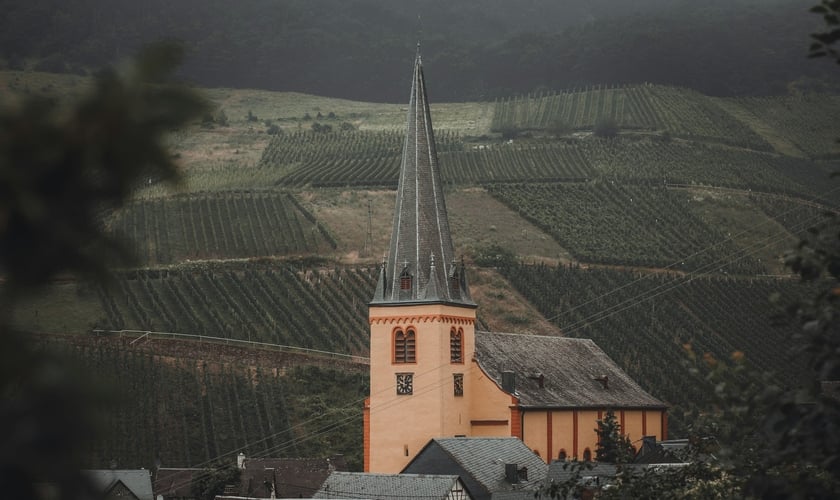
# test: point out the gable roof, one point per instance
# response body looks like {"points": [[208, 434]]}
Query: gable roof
{"points": [[421, 244], [575, 373], [387, 486], [138, 481], [480, 462]]}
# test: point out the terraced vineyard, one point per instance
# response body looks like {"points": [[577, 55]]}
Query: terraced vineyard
{"points": [[647, 161], [277, 304], [625, 225], [681, 112], [220, 225], [675, 162], [643, 320], [678, 191], [629, 106], [187, 411], [795, 215], [809, 121]]}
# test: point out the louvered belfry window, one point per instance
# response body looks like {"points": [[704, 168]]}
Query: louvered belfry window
{"points": [[456, 350], [404, 347]]}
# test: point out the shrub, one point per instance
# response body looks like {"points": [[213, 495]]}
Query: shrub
{"points": [[605, 127]]}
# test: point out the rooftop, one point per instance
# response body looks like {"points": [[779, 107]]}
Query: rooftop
{"points": [[559, 372]]}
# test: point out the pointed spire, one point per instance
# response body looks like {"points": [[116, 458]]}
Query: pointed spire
{"points": [[421, 226]]}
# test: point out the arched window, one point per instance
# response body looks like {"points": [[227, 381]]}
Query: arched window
{"points": [[562, 454], [456, 345], [405, 350], [587, 455]]}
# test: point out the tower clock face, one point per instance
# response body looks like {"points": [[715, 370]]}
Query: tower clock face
{"points": [[405, 383]]}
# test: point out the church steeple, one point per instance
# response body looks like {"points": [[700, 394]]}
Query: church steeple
{"points": [[420, 265]]}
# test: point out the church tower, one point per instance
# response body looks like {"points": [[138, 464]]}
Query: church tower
{"points": [[422, 318]]}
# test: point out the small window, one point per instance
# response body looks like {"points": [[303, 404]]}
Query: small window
{"points": [[456, 346], [405, 280], [458, 382], [562, 455], [587, 455]]}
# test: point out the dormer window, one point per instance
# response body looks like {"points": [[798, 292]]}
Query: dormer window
{"points": [[405, 279], [455, 277]]}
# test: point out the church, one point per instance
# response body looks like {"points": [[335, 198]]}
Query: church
{"points": [[433, 376]]}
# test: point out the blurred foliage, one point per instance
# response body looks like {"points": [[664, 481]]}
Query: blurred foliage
{"points": [[61, 166], [824, 40]]}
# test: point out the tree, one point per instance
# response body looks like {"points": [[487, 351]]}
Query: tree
{"points": [[212, 481], [613, 447], [61, 167]]}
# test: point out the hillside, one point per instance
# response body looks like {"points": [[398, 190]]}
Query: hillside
{"points": [[671, 232]]}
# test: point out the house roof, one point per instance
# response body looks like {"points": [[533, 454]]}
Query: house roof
{"points": [[652, 452], [174, 482], [561, 471], [559, 372], [293, 477], [421, 244], [139, 482], [387, 486], [481, 462]]}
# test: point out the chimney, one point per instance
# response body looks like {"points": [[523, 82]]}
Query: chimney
{"points": [[511, 473], [240, 461], [509, 382]]}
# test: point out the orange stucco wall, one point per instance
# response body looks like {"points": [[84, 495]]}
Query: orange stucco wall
{"points": [[550, 431], [396, 427], [400, 425]]}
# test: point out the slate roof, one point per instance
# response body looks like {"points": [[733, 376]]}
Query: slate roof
{"points": [[386, 486], [480, 462], [570, 370], [138, 481], [421, 244], [652, 452], [561, 471], [174, 482], [294, 477]]}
